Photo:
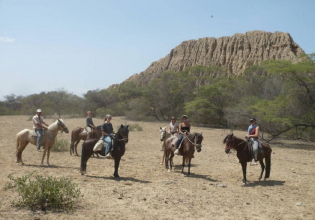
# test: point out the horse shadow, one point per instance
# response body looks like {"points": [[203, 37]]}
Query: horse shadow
{"points": [[118, 179], [50, 166], [265, 183], [204, 177]]}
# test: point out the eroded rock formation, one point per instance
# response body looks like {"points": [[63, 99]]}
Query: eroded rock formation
{"points": [[234, 53]]}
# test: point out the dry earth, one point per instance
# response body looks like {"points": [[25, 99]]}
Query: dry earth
{"points": [[146, 191]]}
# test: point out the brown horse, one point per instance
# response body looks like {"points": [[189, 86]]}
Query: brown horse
{"points": [[119, 142], [187, 150], [25, 136], [79, 134], [245, 154]]}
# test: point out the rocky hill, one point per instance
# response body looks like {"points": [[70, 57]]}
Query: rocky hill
{"points": [[235, 53]]}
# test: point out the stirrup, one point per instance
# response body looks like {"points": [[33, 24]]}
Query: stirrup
{"points": [[108, 156], [253, 163], [176, 151]]}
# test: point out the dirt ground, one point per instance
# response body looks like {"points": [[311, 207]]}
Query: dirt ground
{"points": [[147, 191]]}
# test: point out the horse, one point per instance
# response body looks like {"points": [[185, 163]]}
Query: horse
{"points": [[163, 136], [25, 136], [79, 134], [244, 154], [119, 141], [187, 150]]}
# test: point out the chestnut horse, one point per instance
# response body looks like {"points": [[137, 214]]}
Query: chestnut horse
{"points": [[245, 154], [79, 134], [25, 136], [187, 150], [119, 142]]}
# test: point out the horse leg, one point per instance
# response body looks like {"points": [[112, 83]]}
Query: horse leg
{"points": [[244, 165], [48, 154], [163, 158], [183, 165], [76, 148], [43, 157], [171, 160], [166, 158], [189, 162], [19, 150], [262, 168], [117, 161]]}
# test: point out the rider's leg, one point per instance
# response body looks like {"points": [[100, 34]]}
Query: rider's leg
{"points": [[108, 140], [255, 150], [39, 138], [180, 138]]}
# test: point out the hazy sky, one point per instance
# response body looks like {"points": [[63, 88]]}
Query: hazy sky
{"points": [[79, 45]]}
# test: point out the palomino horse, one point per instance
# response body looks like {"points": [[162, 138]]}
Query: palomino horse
{"points": [[187, 150], [163, 136], [79, 134], [120, 140], [244, 154], [25, 136]]}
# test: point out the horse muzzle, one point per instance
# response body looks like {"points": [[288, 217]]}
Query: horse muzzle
{"points": [[227, 150], [66, 130]]}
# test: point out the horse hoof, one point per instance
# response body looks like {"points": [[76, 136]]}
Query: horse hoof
{"points": [[168, 170]]}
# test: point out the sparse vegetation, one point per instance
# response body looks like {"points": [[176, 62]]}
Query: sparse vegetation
{"points": [[135, 127], [45, 193], [60, 145]]}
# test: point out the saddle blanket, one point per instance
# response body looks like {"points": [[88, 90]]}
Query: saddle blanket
{"points": [[99, 145]]}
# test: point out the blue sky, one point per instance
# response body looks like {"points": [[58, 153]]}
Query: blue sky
{"points": [[86, 45]]}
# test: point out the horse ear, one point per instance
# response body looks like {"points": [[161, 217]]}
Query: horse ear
{"points": [[160, 128]]}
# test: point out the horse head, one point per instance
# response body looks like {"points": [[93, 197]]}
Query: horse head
{"points": [[229, 142], [162, 133], [198, 139], [122, 133], [62, 126]]}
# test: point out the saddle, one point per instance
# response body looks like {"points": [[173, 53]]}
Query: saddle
{"points": [[100, 146], [34, 135]]}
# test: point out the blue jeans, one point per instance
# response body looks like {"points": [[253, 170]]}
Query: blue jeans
{"points": [[179, 140], [39, 133], [108, 140]]}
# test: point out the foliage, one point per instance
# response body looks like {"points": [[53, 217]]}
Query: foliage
{"points": [[38, 192], [60, 145], [135, 127]]}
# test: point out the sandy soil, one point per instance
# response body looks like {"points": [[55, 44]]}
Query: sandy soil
{"points": [[147, 191]]}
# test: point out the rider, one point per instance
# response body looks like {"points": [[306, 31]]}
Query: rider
{"points": [[253, 132], [107, 134], [173, 129], [89, 124], [184, 129], [38, 126]]}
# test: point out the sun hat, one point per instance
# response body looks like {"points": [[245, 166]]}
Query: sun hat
{"points": [[252, 120], [39, 110], [184, 116], [173, 118]]}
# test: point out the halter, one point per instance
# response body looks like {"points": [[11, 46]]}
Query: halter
{"points": [[233, 142], [123, 139], [195, 144]]}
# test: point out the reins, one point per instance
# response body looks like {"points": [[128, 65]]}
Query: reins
{"points": [[195, 144]]}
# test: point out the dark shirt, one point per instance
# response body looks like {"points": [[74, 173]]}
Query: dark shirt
{"points": [[183, 129], [89, 122], [107, 128]]}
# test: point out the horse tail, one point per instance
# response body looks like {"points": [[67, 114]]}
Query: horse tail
{"points": [[268, 165]]}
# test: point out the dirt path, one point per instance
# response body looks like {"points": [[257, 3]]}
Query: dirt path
{"points": [[146, 191]]}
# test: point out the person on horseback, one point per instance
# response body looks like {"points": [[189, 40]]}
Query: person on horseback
{"points": [[174, 127], [184, 129], [252, 136], [38, 126], [89, 124], [107, 134]]}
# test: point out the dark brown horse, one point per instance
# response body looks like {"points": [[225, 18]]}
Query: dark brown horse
{"points": [[187, 150], [119, 142], [245, 154], [79, 134]]}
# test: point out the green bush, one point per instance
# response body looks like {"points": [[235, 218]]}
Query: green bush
{"points": [[60, 145], [45, 193], [135, 127]]}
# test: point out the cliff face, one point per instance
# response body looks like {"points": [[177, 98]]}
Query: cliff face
{"points": [[235, 53]]}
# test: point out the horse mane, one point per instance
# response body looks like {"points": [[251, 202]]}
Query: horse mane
{"points": [[231, 135], [53, 125]]}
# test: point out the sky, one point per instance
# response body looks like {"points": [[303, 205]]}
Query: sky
{"points": [[82, 45]]}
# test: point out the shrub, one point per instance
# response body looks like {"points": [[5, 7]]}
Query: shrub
{"points": [[135, 127], [44, 193], [60, 145]]}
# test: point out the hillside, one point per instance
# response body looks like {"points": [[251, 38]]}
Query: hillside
{"points": [[234, 53]]}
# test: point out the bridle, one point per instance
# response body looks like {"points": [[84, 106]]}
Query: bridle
{"points": [[125, 137], [195, 141], [233, 143]]}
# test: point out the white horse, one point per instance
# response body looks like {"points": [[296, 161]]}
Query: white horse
{"points": [[163, 136], [25, 136]]}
